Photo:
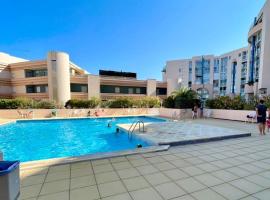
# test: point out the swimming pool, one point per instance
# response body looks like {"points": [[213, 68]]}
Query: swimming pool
{"points": [[44, 139]]}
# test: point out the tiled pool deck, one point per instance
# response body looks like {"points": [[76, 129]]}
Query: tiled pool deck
{"points": [[229, 169], [183, 132]]}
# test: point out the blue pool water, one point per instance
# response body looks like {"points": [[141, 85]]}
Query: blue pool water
{"points": [[45, 139]]}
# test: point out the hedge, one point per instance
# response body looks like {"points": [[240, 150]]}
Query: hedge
{"points": [[235, 103], [121, 102], [21, 103], [76, 103], [127, 102]]}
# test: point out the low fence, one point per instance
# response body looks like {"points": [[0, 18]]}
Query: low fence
{"points": [[48, 113], [237, 115], [175, 113]]}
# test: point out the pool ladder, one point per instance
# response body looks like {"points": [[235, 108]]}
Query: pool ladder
{"points": [[133, 126]]}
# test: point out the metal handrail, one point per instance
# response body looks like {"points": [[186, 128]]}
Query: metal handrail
{"points": [[133, 126]]}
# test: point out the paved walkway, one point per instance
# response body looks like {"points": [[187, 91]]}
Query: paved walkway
{"points": [[223, 170]]}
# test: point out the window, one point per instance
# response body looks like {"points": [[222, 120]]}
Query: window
{"points": [[35, 73], [130, 90], [122, 89], [117, 89], [75, 87], [36, 88], [190, 71], [202, 71], [161, 91], [233, 77]]}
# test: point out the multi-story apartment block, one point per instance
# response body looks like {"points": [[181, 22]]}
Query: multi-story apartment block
{"points": [[258, 78], [209, 75], [57, 78], [244, 71]]}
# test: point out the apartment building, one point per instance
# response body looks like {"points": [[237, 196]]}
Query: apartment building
{"points": [[209, 75], [259, 51], [244, 71], [57, 78]]}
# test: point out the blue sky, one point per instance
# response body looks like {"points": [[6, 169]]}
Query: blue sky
{"points": [[129, 35]]}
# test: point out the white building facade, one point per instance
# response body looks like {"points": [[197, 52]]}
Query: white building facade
{"points": [[244, 71], [209, 75]]}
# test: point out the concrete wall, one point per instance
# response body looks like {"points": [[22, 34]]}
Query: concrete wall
{"points": [[151, 87], [93, 86], [46, 113], [175, 113], [237, 115]]}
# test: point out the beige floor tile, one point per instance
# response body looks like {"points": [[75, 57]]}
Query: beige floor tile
{"points": [[57, 176], [180, 163], [224, 175], [259, 180], [100, 162], [112, 188], [263, 195], [136, 183], [157, 178], [82, 181], [139, 162], [81, 172], [55, 196], [32, 180], [208, 167], [156, 159], [107, 177], [207, 194], [128, 173], [84, 193], [30, 191], [192, 170], [102, 168], [164, 166], [118, 159], [190, 185], [238, 171], [249, 198], [170, 190], [121, 165], [59, 168], [147, 169], [175, 174], [230, 192], [78, 165], [124, 196], [185, 197], [145, 194], [55, 186], [208, 180], [246, 186]]}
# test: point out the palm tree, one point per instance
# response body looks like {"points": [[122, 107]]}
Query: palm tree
{"points": [[184, 97]]}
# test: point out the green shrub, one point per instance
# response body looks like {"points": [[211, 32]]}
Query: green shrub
{"points": [[76, 103], [23, 103], [45, 104], [168, 102], [185, 98], [146, 102], [121, 102]]}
